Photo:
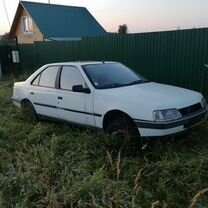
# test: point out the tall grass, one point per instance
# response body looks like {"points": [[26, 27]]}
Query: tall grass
{"points": [[46, 164]]}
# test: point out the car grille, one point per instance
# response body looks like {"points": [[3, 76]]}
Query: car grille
{"points": [[190, 109]]}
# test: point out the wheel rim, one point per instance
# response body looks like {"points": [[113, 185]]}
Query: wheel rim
{"points": [[120, 133]]}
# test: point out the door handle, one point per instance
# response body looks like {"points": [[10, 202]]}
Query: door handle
{"points": [[60, 98], [32, 93]]}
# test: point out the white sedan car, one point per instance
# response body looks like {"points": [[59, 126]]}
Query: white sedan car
{"points": [[109, 96]]}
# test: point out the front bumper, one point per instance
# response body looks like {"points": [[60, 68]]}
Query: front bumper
{"points": [[155, 129]]}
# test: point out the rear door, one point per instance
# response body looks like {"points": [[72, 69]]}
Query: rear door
{"points": [[76, 107], [43, 94]]}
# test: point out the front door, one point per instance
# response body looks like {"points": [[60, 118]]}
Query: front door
{"points": [[76, 107]]}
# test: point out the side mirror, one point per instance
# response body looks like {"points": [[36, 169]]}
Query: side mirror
{"points": [[80, 88]]}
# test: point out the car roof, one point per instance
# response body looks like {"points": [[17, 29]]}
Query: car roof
{"points": [[81, 63]]}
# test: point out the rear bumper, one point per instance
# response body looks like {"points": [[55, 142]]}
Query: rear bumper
{"points": [[16, 102], [155, 129]]}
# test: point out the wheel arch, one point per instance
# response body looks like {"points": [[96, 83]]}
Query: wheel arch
{"points": [[24, 100], [114, 114]]}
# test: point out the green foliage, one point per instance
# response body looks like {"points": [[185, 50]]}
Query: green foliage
{"points": [[123, 29], [47, 164]]}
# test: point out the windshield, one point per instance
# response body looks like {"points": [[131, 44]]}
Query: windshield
{"points": [[111, 75]]}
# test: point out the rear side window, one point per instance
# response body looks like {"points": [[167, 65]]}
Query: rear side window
{"points": [[47, 78], [70, 76]]}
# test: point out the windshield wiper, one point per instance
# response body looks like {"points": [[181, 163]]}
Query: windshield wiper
{"points": [[141, 81], [112, 85]]}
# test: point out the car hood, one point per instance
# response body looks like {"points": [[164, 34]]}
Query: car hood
{"points": [[159, 96]]}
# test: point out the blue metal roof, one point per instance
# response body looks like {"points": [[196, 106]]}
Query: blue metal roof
{"points": [[63, 21]]}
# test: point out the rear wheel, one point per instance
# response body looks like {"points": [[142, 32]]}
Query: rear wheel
{"points": [[28, 111], [124, 133]]}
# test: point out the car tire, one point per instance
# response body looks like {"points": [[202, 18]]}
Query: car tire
{"points": [[28, 111], [124, 132]]}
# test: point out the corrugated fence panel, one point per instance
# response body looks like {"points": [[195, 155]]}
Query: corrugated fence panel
{"points": [[72, 51], [172, 57], [27, 57], [49, 52]]}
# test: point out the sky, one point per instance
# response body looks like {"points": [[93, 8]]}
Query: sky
{"points": [[139, 15]]}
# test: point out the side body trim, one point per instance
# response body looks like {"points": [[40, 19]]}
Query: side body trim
{"points": [[71, 110]]}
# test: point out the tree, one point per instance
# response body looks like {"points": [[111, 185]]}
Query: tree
{"points": [[123, 29], [5, 36]]}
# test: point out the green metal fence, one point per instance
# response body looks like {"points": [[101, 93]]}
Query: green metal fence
{"points": [[173, 57]]}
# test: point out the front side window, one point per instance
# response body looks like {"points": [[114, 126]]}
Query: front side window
{"points": [[48, 77], [70, 76], [27, 26], [111, 75]]}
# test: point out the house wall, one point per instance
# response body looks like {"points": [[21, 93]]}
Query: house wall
{"points": [[27, 38]]}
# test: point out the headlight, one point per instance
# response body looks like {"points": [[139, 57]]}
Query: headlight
{"points": [[203, 103], [166, 115]]}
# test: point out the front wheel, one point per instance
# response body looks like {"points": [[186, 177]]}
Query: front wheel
{"points": [[124, 132]]}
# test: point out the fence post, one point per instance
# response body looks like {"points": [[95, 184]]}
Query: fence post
{"points": [[0, 70], [34, 54]]}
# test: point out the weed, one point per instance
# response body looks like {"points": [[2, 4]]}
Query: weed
{"points": [[47, 164]]}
